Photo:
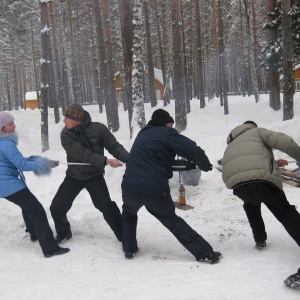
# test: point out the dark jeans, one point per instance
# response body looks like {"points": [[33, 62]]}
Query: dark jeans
{"points": [[255, 193], [35, 218], [163, 209], [98, 191]]}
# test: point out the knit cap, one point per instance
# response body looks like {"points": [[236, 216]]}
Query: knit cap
{"points": [[161, 116], [5, 118], [75, 112]]}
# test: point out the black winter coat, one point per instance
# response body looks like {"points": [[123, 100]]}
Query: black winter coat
{"points": [[85, 143], [150, 164]]}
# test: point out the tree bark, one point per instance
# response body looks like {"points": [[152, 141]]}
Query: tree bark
{"points": [[287, 62], [200, 84], [251, 56], [111, 102], [45, 37], [273, 75], [151, 76], [126, 14], [178, 82], [222, 62]]}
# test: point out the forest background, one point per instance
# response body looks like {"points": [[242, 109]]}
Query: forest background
{"points": [[70, 51]]}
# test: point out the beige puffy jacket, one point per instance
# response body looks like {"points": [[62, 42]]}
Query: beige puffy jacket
{"points": [[249, 155]]}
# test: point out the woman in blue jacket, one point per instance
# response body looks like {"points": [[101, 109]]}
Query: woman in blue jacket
{"points": [[146, 183], [14, 189]]}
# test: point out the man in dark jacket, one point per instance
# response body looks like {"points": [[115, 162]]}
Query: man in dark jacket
{"points": [[249, 168], [145, 183], [84, 142]]}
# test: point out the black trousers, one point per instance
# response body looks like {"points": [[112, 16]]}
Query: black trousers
{"points": [[163, 209], [35, 218], [255, 193], [98, 191]]}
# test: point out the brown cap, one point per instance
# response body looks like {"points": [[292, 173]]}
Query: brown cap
{"points": [[75, 112]]}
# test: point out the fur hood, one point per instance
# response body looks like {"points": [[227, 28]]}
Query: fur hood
{"points": [[11, 136]]}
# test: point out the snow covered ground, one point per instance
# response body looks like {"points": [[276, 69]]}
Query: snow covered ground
{"points": [[96, 268]]}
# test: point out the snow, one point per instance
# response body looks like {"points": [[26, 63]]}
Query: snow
{"points": [[31, 95], [96, 268]]}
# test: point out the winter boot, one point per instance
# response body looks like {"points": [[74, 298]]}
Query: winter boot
{"points": [[260, 244], [293, 281], [129, 255], [33, 237], [212, 257], [59, 239], [58, 251]]}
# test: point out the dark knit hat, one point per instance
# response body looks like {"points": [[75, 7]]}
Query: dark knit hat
{"points": [[250, 122], [75, 112], [161, 116]]}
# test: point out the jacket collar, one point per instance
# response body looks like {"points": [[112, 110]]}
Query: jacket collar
{"points": [[10, 136], [238, 131]]}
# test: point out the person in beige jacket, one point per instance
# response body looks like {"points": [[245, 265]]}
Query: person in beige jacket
{"points": [[249, 168]]}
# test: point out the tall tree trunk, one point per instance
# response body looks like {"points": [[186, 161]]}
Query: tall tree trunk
{"points": [[73, 64], [215, 50], [101, 48], [251, 57], [60, 95], [138, 119], [242, 57], [14, 73], [273, 75], [256, 49], [126, 14], [46, 46], [160, 44], [167, 51], [200, 84], [222, 61], [9, 102], [111, 101], [178, 82], [98, 93], [62, 38], [151, 76], [34, 65], [52, 89], [287, 61], [185, 63]]}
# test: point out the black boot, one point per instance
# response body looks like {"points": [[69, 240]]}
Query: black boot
{"points": [[33, 237], [59, 239], [58, 251], [293, 281], [212, 257], [129, 255], [260, 244]]}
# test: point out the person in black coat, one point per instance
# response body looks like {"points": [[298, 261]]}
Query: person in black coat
{"points": [[84, 142], [146, 183]]}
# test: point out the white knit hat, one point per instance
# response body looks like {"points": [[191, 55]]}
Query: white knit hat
{"points": [[5, 118]]}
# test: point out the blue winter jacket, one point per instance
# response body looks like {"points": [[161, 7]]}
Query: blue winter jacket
{"points": [[12, 164], [151, 158]]}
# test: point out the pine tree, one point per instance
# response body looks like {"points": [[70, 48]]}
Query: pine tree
{"points": [[272, 53]]}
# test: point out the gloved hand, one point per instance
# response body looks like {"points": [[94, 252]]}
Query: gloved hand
{"points": [[282, 162], [183, 165], [190, 166], [207, 168], [54, 163]]}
